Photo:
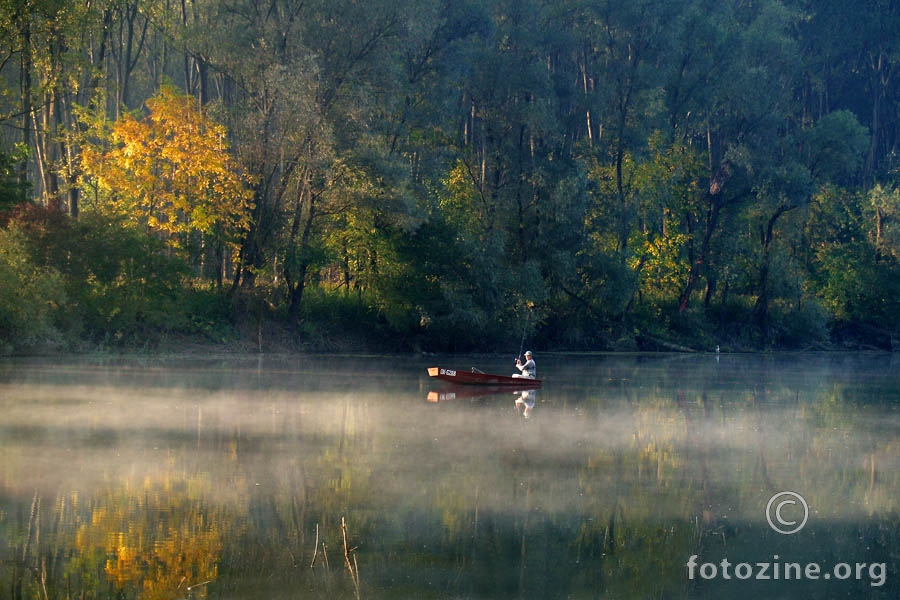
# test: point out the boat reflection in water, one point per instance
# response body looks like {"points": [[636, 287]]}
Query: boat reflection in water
{"points": [[525, 397], [457, 392]]}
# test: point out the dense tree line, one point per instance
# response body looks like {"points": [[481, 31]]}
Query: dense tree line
{"points": [[451, 175]]}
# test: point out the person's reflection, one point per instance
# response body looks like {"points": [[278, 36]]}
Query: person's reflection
{"points": [[526, 400]]}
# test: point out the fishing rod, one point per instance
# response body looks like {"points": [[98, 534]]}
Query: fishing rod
{"points": [[522, 345]]}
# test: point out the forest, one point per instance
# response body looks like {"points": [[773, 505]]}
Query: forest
{"points": [[448, 176]]}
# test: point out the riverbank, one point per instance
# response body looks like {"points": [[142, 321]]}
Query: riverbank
{"points": [[275, 337]]}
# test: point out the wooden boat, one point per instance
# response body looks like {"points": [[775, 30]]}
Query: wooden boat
{"points": [[475, 377]]}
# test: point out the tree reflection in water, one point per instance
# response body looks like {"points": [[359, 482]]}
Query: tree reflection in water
{"points": [[226, 480]]}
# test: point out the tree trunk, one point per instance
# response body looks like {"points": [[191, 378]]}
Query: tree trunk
{"points": [[28, 124], [761, 309], [879, 231], [296, 280], [713, 202]]}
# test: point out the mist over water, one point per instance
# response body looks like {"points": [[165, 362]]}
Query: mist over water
{"points": [[230, 477]]}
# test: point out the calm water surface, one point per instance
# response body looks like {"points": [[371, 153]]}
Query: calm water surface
{"points": [[358, 477]]}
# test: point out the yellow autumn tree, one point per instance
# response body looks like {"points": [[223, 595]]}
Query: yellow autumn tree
{"points": [[170, 172]]}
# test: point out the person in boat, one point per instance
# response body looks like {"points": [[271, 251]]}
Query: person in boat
{"points": [[527, 370]]}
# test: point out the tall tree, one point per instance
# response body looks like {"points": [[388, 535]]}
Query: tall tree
{"points": [[172, 174]]}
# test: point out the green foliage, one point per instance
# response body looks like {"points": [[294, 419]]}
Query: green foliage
{"points": [[855, 288], [836, 147], [855, 272], [669, 168], [335, 321], [133, 288], [31, 297], [12, 189], [883, 210], [116, 284]]}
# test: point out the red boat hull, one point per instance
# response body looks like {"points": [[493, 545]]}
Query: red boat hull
{"points": [[475, 378]]}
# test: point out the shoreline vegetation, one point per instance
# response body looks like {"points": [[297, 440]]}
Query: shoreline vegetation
{"points": [[424, 176], [272, 337], [95, 285]]}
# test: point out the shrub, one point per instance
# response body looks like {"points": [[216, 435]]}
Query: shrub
{"points": [[114, 282], [30, 298]]}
